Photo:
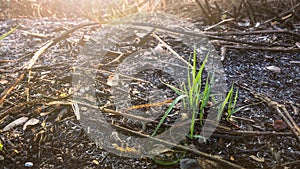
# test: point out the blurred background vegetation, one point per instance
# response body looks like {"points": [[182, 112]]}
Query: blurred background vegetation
{"points": [[70, 8], [210, 11]]}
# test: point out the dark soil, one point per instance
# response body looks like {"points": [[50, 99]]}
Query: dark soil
{"points": [[255, 137]]}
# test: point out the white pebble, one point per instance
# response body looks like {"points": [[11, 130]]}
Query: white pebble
{"points": [[28, 164]]}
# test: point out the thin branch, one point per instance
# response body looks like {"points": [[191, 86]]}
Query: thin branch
{"points": [[292, 125], [223, 162]]}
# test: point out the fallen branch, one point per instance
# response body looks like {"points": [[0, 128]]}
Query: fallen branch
{"points": [[189, 33], [171, 50], [274, 49], [104, 110], [218, 24], [280, 109], [254, 133], [221, 161], [294, 34]]}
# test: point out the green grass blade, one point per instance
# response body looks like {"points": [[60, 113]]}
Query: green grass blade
{"points": [[194, 64], [176, 90], [189, 91], [8, 33], [205, 97], [230, 100], [199, 75], [167, 113], [186, 100], [193, 120], [222, 107], [207, 91], [237, 109], [240, 108], [193, 95], [235, 98]]}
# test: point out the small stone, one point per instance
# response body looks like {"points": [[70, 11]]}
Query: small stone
{"points": [[268, 57], [84, 108], [81, 90], [1, 157], [297, 44], [274, 68], [96, 162], [28, 164]]}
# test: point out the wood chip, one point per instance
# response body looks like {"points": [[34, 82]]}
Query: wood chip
{"points": [[296, 110], [297, 44], [113, 80], [258, 159], [3, 81], [31, 122], [15, 123]]}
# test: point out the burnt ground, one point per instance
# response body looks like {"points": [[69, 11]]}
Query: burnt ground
{"points": [[264, 66]]}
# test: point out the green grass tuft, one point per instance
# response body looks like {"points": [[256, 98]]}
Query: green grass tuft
{"points": [[194, 100]]}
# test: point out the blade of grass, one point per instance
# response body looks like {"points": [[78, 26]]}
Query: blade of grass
{"points": [[193, 94], [194, 82], [8, 33], [167, 113], [242, 107], [199, 75], [230, 100], [194, 64], [206, 92], [235, 98], [195, 91], [198, 80], [222, 107], [185, 101], [195, 109], [176, 90], [205, 97]]}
